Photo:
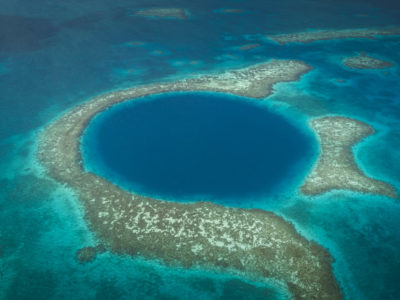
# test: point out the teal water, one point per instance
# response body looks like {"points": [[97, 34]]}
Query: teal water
{"points": [[197, 146], [56, 54]]}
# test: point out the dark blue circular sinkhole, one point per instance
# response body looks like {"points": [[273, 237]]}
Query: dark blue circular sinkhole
{"points": [[195, 146]]}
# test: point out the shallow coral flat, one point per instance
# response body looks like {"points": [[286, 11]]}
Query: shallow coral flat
{"points": [[336, 168]]}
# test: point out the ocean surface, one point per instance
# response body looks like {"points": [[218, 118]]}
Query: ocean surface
{"points": [[57, 54]]}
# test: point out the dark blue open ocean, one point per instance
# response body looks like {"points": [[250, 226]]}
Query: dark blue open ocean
{"points": [[56, 54]]}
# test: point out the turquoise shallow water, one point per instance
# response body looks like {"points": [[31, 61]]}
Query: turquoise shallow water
{"points": [[54, 55], [198, 146]]}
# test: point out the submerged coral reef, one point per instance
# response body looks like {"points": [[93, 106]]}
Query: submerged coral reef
{"points": [[364, 61], [321, 35], [254, 243], [174, 13]]}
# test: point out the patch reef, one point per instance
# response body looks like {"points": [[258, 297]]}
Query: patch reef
{"points": [[320, 35], [336, 168], [168, 13], [363, 61], [253, 243]]}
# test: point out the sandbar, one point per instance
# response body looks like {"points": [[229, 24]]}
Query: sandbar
{"points": [[256, 244], [336, 168], [320, 35], [364, 61]]}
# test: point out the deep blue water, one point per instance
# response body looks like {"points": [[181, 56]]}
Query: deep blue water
{"points": [[196, 146], [56, 54]]}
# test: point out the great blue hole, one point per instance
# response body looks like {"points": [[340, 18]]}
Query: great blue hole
{"points": [[196, 146]]}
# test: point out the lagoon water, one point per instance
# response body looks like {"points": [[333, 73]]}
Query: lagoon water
{"points": [[197, 146]]}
